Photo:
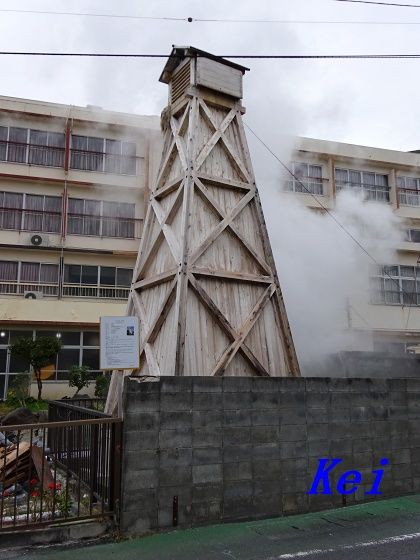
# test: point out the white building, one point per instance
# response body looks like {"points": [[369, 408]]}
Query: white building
{"points": [[73, 185], [388, 316]]}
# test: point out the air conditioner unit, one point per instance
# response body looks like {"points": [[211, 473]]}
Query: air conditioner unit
{"points": [[33, 295], [38, 240]]}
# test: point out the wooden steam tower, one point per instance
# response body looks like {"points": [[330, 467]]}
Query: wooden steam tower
{"points": [[205, 287]]}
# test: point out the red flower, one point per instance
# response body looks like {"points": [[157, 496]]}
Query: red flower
{"points": [[54, 485], [35, 494], [6, 493], [33, 482]]}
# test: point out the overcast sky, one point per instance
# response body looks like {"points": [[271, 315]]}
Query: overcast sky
{"points": [[367, 102]]}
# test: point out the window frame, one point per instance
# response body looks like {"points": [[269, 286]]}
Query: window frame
{"points": [[292, 184]]}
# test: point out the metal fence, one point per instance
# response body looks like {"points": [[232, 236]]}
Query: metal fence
{"points": [[62, 470]]}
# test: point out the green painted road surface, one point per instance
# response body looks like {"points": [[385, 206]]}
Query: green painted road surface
{"points": [[384, 530]]}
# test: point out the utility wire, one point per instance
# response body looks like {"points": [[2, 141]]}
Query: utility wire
{"points": [[327, 211], [392, 4], [208, 20], [89, 14], [227, 56]]}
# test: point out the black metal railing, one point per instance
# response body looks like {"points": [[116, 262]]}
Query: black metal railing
{"points": [[62, 470]]}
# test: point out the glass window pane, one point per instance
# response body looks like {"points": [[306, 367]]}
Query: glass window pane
{"points": [[70, 338], [301, 170], [8, 271], [72, 273], [78, 157], [29, 272], [75, 217], [91, 338], [3, 359], [11, 219], [381, 180], [107, 276], [341, 175], [33, 215], [113, 156], [17, 145], [3, 142], [124, 276], [90, 358], [128, 160], [390, 270], [4, 336], [51, 334], [355, 177], [407, 271], [18, 364], [15, 335], [90, 275], [368, 178], [38, 151], [68, 357], [95, 154]]}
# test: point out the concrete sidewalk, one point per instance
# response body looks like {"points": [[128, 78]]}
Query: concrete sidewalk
{"points": [[339, 531]]}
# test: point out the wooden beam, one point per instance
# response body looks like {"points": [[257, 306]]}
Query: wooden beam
{"points": [[243, 332], [234, 276], [225, 325]]}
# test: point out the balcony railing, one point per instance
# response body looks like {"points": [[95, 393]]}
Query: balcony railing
{"points": [[19, 219], [107, 292], [68, 290], [408, 197], [312, 185], [42, 221], [19, 288], [55, 156], [32, 154]]}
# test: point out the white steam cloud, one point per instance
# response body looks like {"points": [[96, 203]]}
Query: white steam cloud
{"points": [[324, 274]]}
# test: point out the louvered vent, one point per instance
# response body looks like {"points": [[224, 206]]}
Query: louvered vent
{"points": [[180, 82]]}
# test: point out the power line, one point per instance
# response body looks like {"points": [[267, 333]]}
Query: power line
{"points": [[207, 20], [327, 211], [89, 14], [227, 56], [394, 4]]}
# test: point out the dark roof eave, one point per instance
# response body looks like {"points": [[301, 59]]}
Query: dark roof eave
{"points": [[180, 53]]}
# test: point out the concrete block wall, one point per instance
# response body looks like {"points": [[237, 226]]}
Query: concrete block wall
{"points": [[207, 450]]}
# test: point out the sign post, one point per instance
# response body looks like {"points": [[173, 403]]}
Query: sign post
{"points": [[119, 339]]}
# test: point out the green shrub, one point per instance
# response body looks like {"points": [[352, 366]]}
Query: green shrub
{"points": [[18, 389], [79, 377], [102, 385]]}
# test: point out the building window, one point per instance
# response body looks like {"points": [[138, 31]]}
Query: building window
{"points": [[11, 205], [36, 147], [96, 281], [413, 235], [21, 277], [8, 277], [104, 219], [374, 186], [408, 191], [30, 212], [78, 280], [308, 178], [78, 348], [103, 154], [46, 148], [396, 285]]}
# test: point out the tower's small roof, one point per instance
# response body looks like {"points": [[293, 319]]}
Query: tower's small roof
{"points": [[179, 53]]}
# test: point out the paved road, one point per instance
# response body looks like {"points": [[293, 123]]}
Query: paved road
{"points": [[381, 530]]}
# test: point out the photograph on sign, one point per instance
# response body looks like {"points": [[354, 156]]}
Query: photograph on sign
{"points": [[119, 338]]}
